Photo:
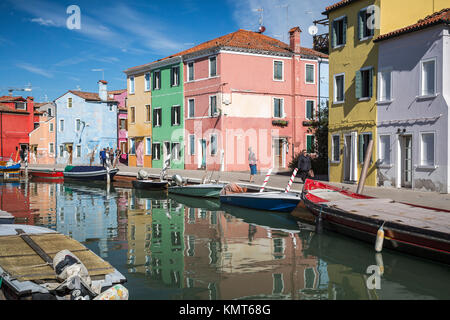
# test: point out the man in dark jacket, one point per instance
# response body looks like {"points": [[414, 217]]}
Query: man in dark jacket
{"points": [[304, 165]]}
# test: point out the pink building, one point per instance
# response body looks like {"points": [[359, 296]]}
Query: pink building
{"points": [[122, 115], [42, 141], [245, 90]]}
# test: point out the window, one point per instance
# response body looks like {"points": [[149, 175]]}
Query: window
{"points": [[278, 70], [191, 111], [364, 140], [278, 111], [123, 124], [49, 112], [191, 71], [278, 283], [69, 102], [147, 81], [385, 150], [133, 114], [310, 109], [148, 146], [78, 151], [61, 150], [51, 148], [156, 150], [427, 149], [175, 116], [213, 106], [191, 144], [148, 112], [309, 73], [310, 144], [363, 83], [77, 125], [212, 66], [366, 24], [157, 117], [157, 80], [310, 277], [384, 91], [176, 151], [50, 127], [339, 80], [213, 143], [175, 76], [61, 125], [428, 75], [339, 32], [131, 85], [132, 146], [335, 148], [20, 106]]}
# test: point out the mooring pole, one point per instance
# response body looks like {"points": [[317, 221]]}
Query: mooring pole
{"points": [[367, 158]]}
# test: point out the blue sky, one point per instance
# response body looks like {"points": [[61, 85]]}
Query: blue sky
{"points": [[37, 47]]}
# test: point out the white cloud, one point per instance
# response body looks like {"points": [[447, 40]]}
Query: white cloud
{"points": [[44, 22], [34, 69]]}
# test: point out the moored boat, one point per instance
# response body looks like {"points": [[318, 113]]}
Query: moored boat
{"points": [[9, 168], [210, 204], [149, 184], [89, 172], [46, 174], [270, 201], [209, 190], [417, 230]]}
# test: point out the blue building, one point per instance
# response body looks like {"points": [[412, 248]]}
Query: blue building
{"points": [[86, 122]]}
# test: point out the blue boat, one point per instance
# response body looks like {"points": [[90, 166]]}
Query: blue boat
{"points": [[88, 173], [270, 201], [9, 168]]}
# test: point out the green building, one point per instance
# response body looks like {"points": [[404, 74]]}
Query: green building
{"points": [[167, 113]]}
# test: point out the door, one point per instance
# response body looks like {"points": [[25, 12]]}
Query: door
{"points": [[406, 161], [278, 154], [69, 148], [166, 154], [203, 144], [139, 152], [350, 161]]}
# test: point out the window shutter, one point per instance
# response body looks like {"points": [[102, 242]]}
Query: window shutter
{"points": [[358, 84], [360, 25], [370, 82], [333, 34], [344, 31], [172, 116], [154, 117], [179, 115], [361, 148]]}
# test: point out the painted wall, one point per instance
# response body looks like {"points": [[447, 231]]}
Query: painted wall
{"points": [[165, 98], [40, 139], [407, 112], [99, 131], [140, 128], [354, 115]]}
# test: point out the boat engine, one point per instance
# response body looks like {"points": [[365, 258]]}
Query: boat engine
{"points": [[177, 179], [142, 175]]}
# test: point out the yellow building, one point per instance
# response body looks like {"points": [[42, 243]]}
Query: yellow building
{"points": [[353, 56], [139, 116]]}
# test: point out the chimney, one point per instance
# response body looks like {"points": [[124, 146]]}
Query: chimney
{"points": [[294, 39], [102, 90]]}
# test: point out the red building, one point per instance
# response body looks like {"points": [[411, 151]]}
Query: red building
{"points": [[16, 122]]}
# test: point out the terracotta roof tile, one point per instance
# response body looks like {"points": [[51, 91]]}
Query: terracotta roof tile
{"points": [[90, 96], [9, 98], [117, 91], [337, 5], [242, 39], [442, 16], [5, 108]]}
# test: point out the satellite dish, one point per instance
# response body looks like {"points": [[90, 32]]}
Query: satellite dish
{"points": [[262, 29], [312, 30]]}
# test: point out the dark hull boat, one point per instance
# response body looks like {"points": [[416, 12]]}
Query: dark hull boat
{"points": [[88, 173], [149, 184], [270, 201], [412, 229]]}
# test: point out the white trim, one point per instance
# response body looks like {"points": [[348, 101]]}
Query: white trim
{"points": [[155, 78], [149, 82], [178, 78], [209, 67], [188, 73], [50, 125], [211, 115], [380, 72], [210, 144], [146, 114], [332, 148], [283, 114], [78, 155], [179, 112], [59, 126], [282, 70], [148, 152], [314, 109], [421, 133], [155, 122], [379, 150], [191, 143], [134, 112], [366, 98], [368, 37], [189, 108], [156, 153], [49, 149], [334, 88], [314, 73], [331, 27], [76, 129], [255, 54], [71, 102], [131, 79]]}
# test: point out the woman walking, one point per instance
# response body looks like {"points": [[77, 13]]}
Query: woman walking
{"points": [[252, 163]]}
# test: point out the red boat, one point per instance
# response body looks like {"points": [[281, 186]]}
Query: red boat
{"points": [[47, 174], [417, 230]]}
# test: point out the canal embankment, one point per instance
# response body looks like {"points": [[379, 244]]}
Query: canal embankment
{"points": [[277, 182]]}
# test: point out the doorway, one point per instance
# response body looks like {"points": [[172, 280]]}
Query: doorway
{"points": [[202, 154], [139, 152], [406, 161], [166, 154], [278, 153], [69, 148], [350, 161]]}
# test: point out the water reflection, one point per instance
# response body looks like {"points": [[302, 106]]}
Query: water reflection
{"points": [[175, 247]]}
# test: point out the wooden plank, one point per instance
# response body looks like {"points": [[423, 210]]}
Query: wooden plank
{"points": [[41, 253]]}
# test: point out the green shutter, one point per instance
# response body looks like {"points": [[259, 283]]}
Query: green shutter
{"points": [[344, 31], [370, 82], [360, 25], [310, 144], [361, 148], [358, 84]]}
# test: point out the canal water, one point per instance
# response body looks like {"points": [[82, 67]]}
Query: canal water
{"points": [[176, 248]]}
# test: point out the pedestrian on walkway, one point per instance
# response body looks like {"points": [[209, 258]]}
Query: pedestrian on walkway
{"points": [[304, 166], [252, 162], [103, 157]]}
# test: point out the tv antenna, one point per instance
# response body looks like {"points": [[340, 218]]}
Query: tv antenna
{"points": [[103, 72], [261, 28]]}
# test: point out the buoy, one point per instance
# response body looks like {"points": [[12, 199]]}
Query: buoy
{"points": [[380, 238], [380, 264]]}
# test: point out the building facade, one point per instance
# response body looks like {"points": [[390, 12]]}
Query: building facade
{"points": [[42, 141], [139, 116], [122, 121], [86, 122], [413, 105], [16, 122]]}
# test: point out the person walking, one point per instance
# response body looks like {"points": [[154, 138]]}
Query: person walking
{"points": [[304, 165], [252, 162], [103, 157]]}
